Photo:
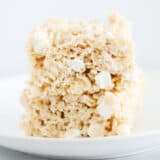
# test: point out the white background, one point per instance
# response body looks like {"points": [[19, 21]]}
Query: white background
{"points": [[17, 18]]}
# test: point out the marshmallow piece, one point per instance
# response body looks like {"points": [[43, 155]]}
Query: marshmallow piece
{"points": [[103, 80], [133, 76], [123, 129], [109, 35], [41, 41], [105, 110], [107, 105], [77, 65], [73, 133], [96, 130]]}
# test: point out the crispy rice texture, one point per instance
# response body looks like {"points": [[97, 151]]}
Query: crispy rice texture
{"points": [[83, 79]]}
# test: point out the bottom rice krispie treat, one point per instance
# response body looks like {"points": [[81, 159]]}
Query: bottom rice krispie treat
{"points": [[83, 79]]}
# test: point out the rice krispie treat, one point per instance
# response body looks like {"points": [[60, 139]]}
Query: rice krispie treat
{"points": [[83, 79]]}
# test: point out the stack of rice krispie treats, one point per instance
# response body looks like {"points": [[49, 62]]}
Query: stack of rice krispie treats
{"points": [[83, 79]]}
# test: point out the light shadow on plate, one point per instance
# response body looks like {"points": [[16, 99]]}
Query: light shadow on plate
{"points": [[8, 154]]}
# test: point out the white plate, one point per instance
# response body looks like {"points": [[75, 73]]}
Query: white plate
{"points": [[146, 138]]}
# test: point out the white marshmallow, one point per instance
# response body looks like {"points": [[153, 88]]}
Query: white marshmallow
{"points": [[103, 80], [96, 130], [123, 129], [41, 41], [132, 76], [73, 133], [77, 65], [104, 110]]}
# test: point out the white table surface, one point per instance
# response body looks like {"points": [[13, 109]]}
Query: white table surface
{"points": [[6, 154]]}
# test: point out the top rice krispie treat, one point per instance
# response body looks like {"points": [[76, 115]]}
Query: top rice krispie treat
{"points": [[83, 79]]}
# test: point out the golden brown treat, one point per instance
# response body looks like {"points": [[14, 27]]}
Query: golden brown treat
{"points": [[83, 79]]}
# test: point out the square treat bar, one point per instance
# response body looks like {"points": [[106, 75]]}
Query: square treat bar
{"points": [[83, 79]]}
